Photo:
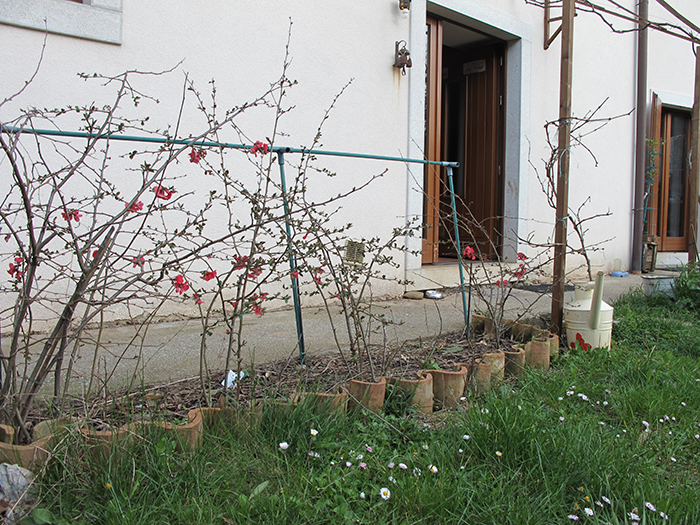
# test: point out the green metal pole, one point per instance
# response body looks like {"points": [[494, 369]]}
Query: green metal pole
{"points": [[209, 144], [459, 248], [292, 262]]}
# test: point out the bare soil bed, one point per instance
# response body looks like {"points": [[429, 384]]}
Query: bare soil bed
{"points": [[278, 380]]}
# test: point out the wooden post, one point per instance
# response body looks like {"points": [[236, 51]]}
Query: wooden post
{"points": [[563, 152], [694, 168], [641, 152]]}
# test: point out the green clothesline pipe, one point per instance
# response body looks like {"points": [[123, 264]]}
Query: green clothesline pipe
{"points": [[280, 150], [209, 144], [465, 309]]}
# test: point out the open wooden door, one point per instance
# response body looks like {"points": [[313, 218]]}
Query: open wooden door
{"points": [[464, 123], [472, 122], [433, 142]]}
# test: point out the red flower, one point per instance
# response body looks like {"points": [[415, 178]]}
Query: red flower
{"points": [[469, 253], [255, 273], [583, 344], [197, 155], [522, 256], [259, 146], [137, 206], [15, 269], [197, 300], [208, 276], [138, 261], [240, 262], [258, 311], [295, 274], [73, 214], [164, 193], [520, 272], [180, 284], [504, 282]]}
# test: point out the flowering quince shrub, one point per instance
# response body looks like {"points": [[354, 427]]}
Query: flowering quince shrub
{"points": [[493, 279], [98, 227], [349, 285]]}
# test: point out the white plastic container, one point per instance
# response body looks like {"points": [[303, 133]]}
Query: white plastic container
{"points": [[583, 290], [589, 320], [658, 284]]}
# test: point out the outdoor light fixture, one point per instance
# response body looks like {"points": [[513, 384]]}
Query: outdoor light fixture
{"points": [[402, 58], [404, 6]]}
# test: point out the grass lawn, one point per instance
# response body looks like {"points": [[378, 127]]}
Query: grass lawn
{"points": [[604, 437]]}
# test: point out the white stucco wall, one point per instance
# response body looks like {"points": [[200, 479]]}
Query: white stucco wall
{"points": [[241, 46]]}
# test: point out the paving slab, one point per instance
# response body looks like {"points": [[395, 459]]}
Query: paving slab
{"points": [[169, 351]]}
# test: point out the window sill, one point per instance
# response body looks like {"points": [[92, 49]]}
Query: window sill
{"points": [[100, 20]]}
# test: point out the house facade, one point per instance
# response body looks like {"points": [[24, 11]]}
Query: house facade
{"points": [[481, 87]]}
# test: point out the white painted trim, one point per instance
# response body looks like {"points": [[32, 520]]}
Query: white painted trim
{"points": [[99, 20], [416, 128], [482, 17], [675, 100]]}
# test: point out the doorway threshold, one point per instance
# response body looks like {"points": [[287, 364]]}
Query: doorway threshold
{"points": [[445, 274]]}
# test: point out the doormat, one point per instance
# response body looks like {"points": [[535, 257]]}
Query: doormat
{"points": [[541, 288]]}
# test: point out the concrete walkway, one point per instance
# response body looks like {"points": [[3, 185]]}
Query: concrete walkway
{"points": [[171, 350]]}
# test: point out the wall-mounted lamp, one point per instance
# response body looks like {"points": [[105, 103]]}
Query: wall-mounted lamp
{"points": [[404, 7], [402, 57]]}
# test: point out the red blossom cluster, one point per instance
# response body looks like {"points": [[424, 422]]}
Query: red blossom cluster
{"points": [[255, 273], [208, 276], [197, 299], [256, 301], [196, 155], [317, 275], [259, 147], [164, 193], [521, 271], [16, 268], [240, 262], [137, 206], [469, 253], [181, 286], [72, 214]]}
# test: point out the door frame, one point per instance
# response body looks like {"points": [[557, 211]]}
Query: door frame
{"points": [[659, 164], [480, 127], [518, 36], [433, 143]]}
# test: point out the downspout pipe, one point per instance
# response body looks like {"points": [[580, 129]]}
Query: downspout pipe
{"points": [[640, 163]]}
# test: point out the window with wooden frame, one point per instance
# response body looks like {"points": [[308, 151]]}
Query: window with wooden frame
{"points": [[668, 166]]}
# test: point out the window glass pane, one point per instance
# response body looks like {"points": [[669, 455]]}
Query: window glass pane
{"points": [[678, 151]]}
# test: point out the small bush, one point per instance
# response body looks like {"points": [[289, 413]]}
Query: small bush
{"points": [[687, 287]]}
